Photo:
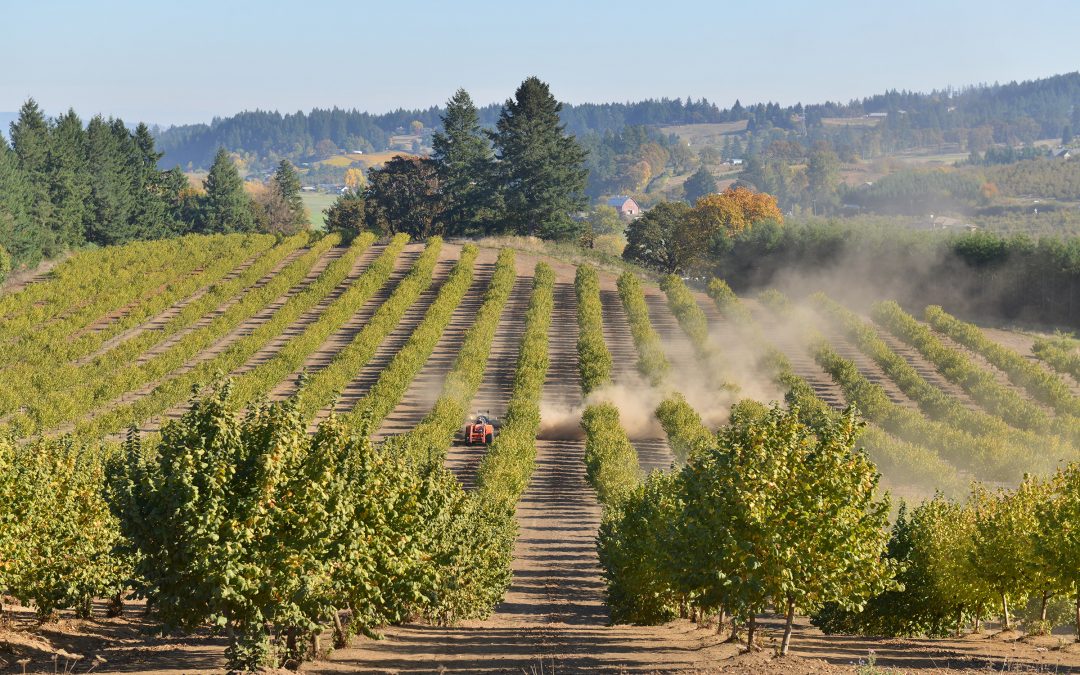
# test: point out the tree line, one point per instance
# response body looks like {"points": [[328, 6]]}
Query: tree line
{"points": [[525, 177], [64, 184]]}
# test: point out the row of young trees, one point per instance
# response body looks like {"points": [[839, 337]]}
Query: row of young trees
{"points": [[64, 184], [526, 177]]}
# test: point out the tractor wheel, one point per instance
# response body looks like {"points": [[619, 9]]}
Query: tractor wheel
{"points": [[489, 439]]}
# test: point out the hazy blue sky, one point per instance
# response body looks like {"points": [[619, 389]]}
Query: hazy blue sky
{"points": [[174, 62]]}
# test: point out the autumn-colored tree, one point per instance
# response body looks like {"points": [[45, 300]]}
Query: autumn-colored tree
{"points": [[416, 127], [734, 210], [355, 179]]}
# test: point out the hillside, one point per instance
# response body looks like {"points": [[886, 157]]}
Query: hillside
{"points": [[384, 331]]}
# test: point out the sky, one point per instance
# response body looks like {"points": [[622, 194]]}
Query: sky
{"points": [[183, 62]]}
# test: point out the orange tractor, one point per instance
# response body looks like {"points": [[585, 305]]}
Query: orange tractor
{"points": [[480, 431]]}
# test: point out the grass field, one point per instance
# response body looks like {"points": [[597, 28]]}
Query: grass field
{"points": [[316, 203]]}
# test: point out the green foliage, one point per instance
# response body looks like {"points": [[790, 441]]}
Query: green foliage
{"points": [[394, 380], [5, 264], [464, 159], [652, 240], [686, 310], [1057, 540], [227, 208], [57, 535], [505, 471], [347, 214], [652, 362], [986, 455], [321, 387], [1038, 381], [933, 402], [594, 359], [92, 372], [698, 185], [637, 543], [611, 462], [1060, 353], [541, 168], [685, 431], [932, 546], [405, 195], [436, 431], [981, 384]]}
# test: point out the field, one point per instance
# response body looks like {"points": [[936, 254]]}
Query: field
{"points": [[337, 319], [316, 203], [366, 160]]}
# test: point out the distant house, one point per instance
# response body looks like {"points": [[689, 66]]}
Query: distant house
{"points": [[626, 206], [1066, 153]]}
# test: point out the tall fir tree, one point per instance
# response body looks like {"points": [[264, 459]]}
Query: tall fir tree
{"points": [[111, 158], [287, 185], [20, 236], [30, 140], [541, 168], [227, 208], [700, 184], [69, 179], [465, 161], [151, 216]]}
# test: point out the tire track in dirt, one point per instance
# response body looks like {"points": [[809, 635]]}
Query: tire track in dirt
{"points": [[343, 336], [160, 320], [554, 612], [369, 374], [426, 387], [493, 396], [246, 327]]}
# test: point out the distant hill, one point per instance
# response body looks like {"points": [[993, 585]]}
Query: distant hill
{"points": [[1013, 113]]}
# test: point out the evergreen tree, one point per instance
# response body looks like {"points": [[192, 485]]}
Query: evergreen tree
{"points": [[226, 207], [110, 216], [30, 140], [19, 235], [464, 158], [152, 218], [541, 171], [69, 179], [286, 184], [347, 214], [700, 184]]}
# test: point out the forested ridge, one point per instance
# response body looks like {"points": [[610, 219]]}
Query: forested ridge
{"points": [[1017, 110]]}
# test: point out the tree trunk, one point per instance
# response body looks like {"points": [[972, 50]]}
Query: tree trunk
{"points": [[290, 643], [1042, 607], [1005, 612], [116, 605], [786, 642], [720, 621], [341, 641], [959, 621], [1078, 614], [751, 632]]}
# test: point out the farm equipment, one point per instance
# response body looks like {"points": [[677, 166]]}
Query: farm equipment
{"points": [[480, 431]]}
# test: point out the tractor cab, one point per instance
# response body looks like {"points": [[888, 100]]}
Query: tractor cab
{"points": [[481, 431]]}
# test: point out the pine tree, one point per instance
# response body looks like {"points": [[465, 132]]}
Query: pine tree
{"points": [[30, 140], [19, 235], [287, 186], [69, 179], [541, 170], [112, 169], [226, 207], [464, 160]]}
